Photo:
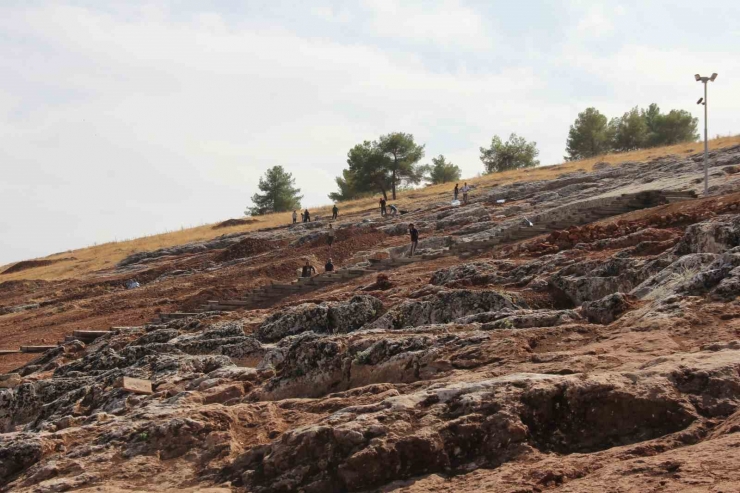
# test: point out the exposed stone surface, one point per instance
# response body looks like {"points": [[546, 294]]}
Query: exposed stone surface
{"points": [[715, 236], [607, 309], [444, 307], [599, 357], [322, 318]]}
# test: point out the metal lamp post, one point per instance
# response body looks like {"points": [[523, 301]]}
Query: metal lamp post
{"points": [[704, 80]]}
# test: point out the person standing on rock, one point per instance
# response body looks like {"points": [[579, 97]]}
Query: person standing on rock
{"points": [[306, 217], [465, 190], [334, 211], [414, 233], [330, 236], [456, 191], [329, 267], [295, 216], [308, 270]]}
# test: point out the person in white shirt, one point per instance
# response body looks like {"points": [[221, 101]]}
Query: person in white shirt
{"points": [[465, 190]]}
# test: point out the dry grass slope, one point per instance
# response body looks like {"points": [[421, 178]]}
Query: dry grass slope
{"points": [[104, 256]]}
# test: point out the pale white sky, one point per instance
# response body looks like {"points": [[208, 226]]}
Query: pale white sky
{"points": [[119, 119]]}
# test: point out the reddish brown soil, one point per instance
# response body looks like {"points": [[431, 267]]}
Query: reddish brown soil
{"points": [[655, 465], [661, 227], [247, 248], [102, 301]]}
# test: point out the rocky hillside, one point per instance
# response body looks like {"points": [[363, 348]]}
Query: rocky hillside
{"points": [[575, 334]]}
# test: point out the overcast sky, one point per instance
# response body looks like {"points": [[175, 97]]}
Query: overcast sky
{"points": [[119, 119]]}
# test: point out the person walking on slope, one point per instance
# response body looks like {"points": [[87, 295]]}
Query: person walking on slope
{"points": [[414, 233], [334, 211], [295, 216], [308, 270], [306, 217], [465, 190], [329, 267], [455, 191], [330, 236]]}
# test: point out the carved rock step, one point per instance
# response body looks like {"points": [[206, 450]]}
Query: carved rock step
{"points": [[175, 315], [36, 349], [90, 334], [231, 303]]}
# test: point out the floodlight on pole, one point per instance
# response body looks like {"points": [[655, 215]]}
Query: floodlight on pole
{"points": [[704, 81]]}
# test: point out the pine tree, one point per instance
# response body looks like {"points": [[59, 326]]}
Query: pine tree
{"points": [[403, 154], [280, 194], [384, 165], [589, 136], [515, 153], [441, 171], [347, 187], [630, 131]]}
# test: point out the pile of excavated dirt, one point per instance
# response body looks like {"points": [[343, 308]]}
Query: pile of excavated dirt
{"points": [[601, 357], [32, 264], [235, 222]]}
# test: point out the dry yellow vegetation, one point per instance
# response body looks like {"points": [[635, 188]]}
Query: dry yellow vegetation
{"points": [[95, 258]]}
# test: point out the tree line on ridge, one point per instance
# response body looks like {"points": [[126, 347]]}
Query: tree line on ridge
{"points": [[391, 162]]}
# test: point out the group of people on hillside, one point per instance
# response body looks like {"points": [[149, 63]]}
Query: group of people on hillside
{"points": [[465, 189], [306, 216], [309, 270]]}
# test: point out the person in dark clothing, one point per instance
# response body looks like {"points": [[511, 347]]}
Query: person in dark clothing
{"points": [[308, 270], [306, 216], [382, 206], [334, 211], [329, 267], [414, 233], [456, 191]]}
